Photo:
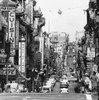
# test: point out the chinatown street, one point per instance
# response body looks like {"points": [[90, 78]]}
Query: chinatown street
{"points": [[55, 95]]}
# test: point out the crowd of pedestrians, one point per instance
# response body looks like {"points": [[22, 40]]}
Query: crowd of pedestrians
{"points": [[88, 84]]}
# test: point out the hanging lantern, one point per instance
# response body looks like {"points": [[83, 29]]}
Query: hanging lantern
{"points": [[59, 12]]}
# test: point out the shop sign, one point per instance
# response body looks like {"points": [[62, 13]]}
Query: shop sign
{"points": [[17, 33], [95, 67], [22, 56], [32, 12], [7, 8], [11, 30], [90, 53], [41, 44], [54, 38], [11, 71]]}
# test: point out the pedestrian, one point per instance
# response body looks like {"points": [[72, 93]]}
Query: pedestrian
{"points": [[0, 88], [94, 82], [77, 88], [87, 83], [97, 75]]}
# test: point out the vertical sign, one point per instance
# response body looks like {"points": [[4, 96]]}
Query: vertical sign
{"points": [[32, 13], [22, 54], [23, 57], [19, 56], [11, 29], [42, 50], [17, 33]]}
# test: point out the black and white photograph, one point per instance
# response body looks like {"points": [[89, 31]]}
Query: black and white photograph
{"points": [[49, 50]]}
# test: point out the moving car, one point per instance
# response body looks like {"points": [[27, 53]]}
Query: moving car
{"points": [[71, 78], [64, 84]]}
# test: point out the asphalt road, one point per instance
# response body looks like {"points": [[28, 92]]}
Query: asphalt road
{"points": [[48, 96], [55, 95]]}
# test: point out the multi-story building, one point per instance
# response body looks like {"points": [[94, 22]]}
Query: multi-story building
{"points": [[22, 30]]}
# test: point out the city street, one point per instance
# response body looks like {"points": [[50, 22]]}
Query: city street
{"points": [[49, 49], [55, 95], [48, 96]]}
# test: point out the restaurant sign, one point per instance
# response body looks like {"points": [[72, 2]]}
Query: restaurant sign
{"points": [[11, 30], [10, 71]]}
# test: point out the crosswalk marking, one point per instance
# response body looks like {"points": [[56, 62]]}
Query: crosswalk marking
{"points": [[88, 97]]}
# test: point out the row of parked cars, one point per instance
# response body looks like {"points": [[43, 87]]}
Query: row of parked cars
{"points": [[49, 85]]}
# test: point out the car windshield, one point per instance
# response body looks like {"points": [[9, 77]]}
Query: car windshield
{"points": [[45, 88]]}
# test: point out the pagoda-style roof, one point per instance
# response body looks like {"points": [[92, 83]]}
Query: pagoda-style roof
{"points": [[10, 3], [20, 10], [41, 22], [37, 14]]}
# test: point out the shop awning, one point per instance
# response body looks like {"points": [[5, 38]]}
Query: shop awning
{"points": [[10, 3]]}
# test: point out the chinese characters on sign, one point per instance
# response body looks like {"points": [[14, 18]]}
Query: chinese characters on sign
{"points": [[22, 56], [11, 71]]}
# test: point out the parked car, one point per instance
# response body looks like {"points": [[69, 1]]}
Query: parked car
{"points": [[11, 88], [14, 88]]}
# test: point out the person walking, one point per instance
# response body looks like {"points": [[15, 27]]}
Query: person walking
{"points": [[88, 84], [97, 75], [94, 82]]}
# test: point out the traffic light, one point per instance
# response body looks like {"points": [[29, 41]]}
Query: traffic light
{"points": [[7, 47]]}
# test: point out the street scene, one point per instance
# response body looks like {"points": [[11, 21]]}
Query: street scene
{"points": [[48, 51]]}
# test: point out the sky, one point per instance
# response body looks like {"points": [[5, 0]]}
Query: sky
{"points": [[72, 18]]}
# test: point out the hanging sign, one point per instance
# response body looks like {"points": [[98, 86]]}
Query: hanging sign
{"points": [[11, 30], [22, 56]]}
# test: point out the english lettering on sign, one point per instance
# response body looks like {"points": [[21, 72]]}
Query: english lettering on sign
{"points": [[7, 8], [11, 30]]}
